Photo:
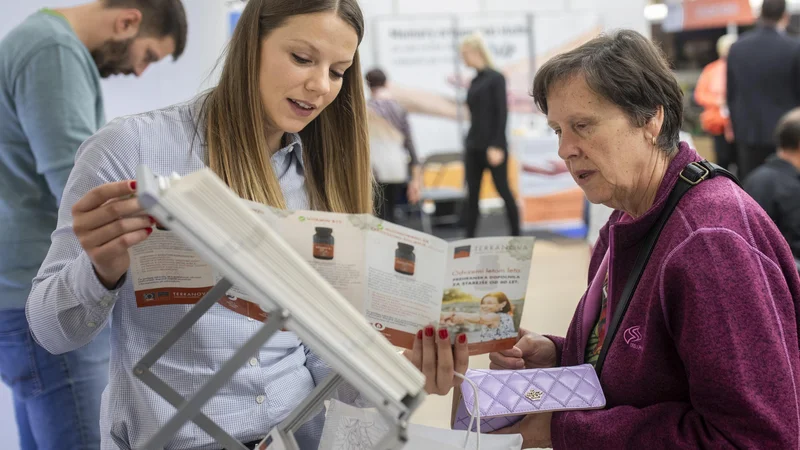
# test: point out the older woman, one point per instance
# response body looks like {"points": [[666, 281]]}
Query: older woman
{"points": [[707, 353]]}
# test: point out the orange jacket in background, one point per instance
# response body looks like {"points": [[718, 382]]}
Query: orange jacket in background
{"points": [[710, 94]]}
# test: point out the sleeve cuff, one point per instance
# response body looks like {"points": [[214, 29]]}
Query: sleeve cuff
{"points": [[88, 288], [559, 343]]}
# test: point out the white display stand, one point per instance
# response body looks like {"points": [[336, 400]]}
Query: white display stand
{"points": [[396, 399]]}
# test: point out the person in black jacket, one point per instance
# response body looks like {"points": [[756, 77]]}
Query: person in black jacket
{"points": [[763, 84], [776, 184], [486, 145]]}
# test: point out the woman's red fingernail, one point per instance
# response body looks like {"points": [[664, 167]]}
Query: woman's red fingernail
{"points": [[419, 334], [133, 185], [462, 338], [149, 231], [442, 333], [429, 331]]}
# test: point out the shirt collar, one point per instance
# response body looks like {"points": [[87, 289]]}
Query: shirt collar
{"points": [[783, 166], [294, 145]]}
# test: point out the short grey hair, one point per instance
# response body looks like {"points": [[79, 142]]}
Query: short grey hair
{"points": [[626, 69]]}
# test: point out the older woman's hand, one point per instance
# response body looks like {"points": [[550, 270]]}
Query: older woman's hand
{"points": [[532, 351], [534, 428], [438, 359]]}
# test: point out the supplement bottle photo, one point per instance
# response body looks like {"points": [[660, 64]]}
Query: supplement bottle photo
{"points": [[404, 259], [323, 243]]}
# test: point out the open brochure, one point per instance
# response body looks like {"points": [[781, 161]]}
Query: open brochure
{"points": [[400, 279]]}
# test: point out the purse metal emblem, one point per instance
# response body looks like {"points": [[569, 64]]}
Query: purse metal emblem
{"points": [[534, 395]]}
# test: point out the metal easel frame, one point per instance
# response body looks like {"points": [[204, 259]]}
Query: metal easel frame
{"points": [[397, 415], [189, 409]]}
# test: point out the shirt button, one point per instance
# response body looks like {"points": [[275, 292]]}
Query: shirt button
{"points": [[91, 324], [260, 399], [253, 362]]}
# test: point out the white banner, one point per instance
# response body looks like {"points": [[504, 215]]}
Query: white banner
{"points": [[421, 58]]}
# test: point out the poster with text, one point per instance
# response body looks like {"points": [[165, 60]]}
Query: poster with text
{"points": [[421, 56]]}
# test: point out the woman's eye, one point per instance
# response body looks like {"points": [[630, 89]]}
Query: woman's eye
{"points": [[580, 126], [300, 59], [557, 132], [336, 75]]}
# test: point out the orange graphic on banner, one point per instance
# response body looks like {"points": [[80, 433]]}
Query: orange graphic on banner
{"points": [[557, 207], [716, 13]]}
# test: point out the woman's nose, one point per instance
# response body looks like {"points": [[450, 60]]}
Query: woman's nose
{"points": [[567, 146], [319, 83]]}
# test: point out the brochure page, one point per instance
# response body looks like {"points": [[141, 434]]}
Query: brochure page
{"points": [[405, 278], [485, 287], [400, 279]]}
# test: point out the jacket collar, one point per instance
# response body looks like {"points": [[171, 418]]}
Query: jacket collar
{"points": [[632, 232], [782, 166]]}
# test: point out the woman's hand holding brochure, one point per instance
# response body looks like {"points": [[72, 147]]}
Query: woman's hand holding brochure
{"points": [[108, 221], [438, 360]]}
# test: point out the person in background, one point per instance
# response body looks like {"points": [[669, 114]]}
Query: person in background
{"points": [[776, 184], [710, 94], [50, 102], [763, 83], [383, 105], [298, 140], [486, 145], [706, 355]]}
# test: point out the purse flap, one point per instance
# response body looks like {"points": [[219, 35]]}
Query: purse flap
{"points": [[510, 392]]}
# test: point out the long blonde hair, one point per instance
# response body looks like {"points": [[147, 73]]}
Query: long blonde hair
{"points": [[476, 41], [335, 144]]}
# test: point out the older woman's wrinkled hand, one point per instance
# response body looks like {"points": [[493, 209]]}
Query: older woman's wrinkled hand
{"points": [[439, 360], [534, 428], [532, 351]]}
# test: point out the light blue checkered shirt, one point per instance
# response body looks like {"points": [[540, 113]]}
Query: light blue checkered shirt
{"points": [[68, 306]]}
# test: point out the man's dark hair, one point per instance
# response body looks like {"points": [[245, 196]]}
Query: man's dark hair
{"points": [[787, 133], [160, 19], [626, 69], [773, 10], [376, 78]]}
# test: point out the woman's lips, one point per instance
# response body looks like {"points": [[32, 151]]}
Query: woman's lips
{"points": [[583, 176]]}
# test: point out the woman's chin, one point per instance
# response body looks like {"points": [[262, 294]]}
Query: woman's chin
{"points": [[592, 196], [596, 198]]}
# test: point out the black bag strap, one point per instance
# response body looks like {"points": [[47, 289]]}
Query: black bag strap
{"points": [[692, 175]]}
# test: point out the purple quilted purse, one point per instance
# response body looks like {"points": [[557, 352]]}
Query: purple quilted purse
{"points": [[506, 396]]}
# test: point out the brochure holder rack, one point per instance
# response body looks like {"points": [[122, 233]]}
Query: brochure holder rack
{"points": [[396, 399]]}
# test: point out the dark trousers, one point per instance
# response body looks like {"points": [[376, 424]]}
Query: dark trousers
{"points": [[725, 152], [385, 200], [752, 156], [475, 163]]}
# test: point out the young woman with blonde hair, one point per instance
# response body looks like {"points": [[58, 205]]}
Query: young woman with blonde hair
{"points": [[285, 126], [486, 145]]}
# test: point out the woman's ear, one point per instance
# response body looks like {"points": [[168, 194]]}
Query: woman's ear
{"points": [[653, 126], [127, 23]]}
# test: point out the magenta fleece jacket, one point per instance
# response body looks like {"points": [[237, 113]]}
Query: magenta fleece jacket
{"points": [[707, 355]]}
